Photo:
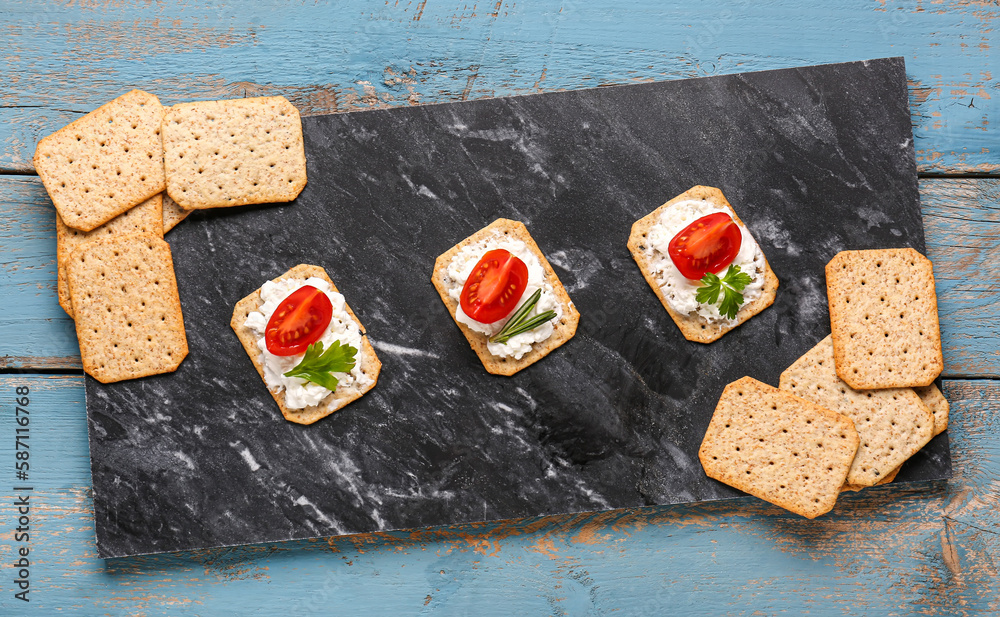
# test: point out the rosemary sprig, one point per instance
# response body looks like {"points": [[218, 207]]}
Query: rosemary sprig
{"points": [[518, 322]]}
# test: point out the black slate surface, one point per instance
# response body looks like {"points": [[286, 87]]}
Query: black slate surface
{"points": [[815, 160]]}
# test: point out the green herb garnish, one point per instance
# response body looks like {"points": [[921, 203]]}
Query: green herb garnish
{"points": [[519, 322], [729, 286], [318, 366]]}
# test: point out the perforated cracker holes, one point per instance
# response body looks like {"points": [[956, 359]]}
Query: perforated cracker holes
{"points": [[233, 153], [128, 311], [779, 447], [883, 314], [104, 163]]}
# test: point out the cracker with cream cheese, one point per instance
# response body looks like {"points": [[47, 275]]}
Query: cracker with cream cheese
{"points": [[564, 328], [693, 326], [339, 398]]}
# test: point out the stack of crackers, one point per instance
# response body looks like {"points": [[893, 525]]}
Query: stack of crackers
{"points": [[126, 173], [853, 409]]}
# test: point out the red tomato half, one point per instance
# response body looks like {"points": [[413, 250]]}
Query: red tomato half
{"points": [[298, 322], [709, 244], [494, 287]]}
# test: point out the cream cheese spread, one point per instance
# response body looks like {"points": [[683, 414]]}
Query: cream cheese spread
{"points": [[462, 265], [677, 289], [300, 393]]}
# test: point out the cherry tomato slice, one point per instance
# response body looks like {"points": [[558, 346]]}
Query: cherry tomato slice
{"points": [[494, 287], [298, 322], [709, 244]]}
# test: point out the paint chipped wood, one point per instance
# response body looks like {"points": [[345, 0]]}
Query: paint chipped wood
{"points": [[893, 550], [73, 57]]}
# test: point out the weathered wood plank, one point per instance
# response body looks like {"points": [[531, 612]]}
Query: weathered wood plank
{"points": [[962, 226], [60, 61], [915, 549], [34, 330], [961, 217]]}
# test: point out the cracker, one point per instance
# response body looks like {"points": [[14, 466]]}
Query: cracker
{"points": [[889, 477], [337, 399], [128, 312], [779, 447], [233, 153], [172, 213], [935, 401], [884, 317], [143, 218], [893, 424], [693, 326], [104, 163], [563, 330]]}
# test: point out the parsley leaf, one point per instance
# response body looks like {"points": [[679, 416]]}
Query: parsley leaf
{"points": [[729, 286], [318, 366], [709, 294]]}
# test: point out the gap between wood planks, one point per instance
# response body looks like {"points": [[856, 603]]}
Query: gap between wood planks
{"points": [[77, 370], [42, 371], [940, 175]]}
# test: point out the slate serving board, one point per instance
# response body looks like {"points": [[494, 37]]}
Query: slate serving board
{"points": [[815, 160]]}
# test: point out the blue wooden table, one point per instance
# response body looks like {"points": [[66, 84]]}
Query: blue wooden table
{"points": [[895, 550]]}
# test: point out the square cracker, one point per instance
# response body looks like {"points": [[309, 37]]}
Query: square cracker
{"points": [[128, 311], [104, 163], [889, 477], [935, 401], [371, 365], [884, 318], [143, 218], [893, 424], [779, 447], [563, 330], [233, 153], [693, 326], [172, 213]]}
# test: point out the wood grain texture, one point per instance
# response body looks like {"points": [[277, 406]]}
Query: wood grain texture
{"points": [[962, 227], [63, 60], [896, 550], [961, 217], [34, 330]]}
